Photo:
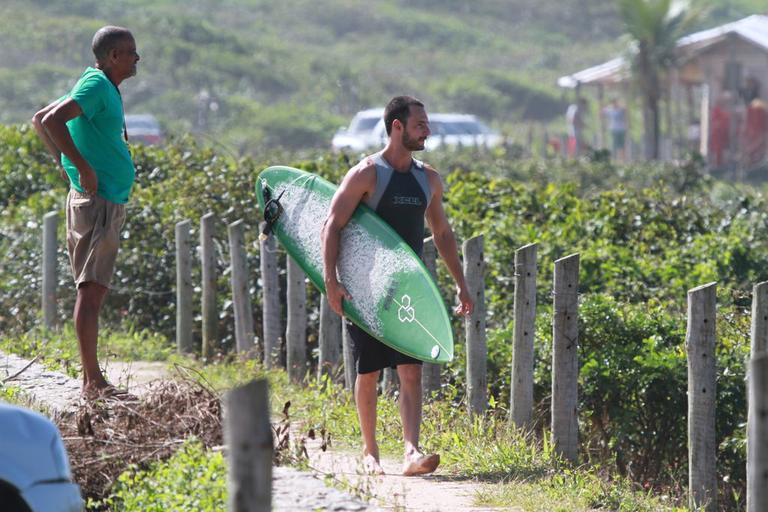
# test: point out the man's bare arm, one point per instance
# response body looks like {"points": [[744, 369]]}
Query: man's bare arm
{"points": [[358, 182], [445, 242], [37, 123], [54, 122]]}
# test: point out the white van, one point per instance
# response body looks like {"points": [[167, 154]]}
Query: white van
{"points": [[453, 130], [357, 137]]}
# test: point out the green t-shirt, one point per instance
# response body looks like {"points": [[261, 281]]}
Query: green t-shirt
{"points": [[98, 135]]}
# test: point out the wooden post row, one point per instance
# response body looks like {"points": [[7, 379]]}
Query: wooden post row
{"points": [[50, 225], [521, 395], [241, 296], [430, 372], [477, 350], [350, 371], [700, 348], [757, 395], [757, 435], [329, 340], [248, 437], [183, 288], [208, 261], [296, 328], [272, 323], [565, 361]]}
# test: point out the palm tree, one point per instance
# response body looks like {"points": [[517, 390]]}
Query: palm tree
{"points": [[654, 27]]}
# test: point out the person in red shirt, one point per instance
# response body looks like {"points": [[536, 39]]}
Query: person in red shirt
{"points": [[755, 134], [720, 130]]}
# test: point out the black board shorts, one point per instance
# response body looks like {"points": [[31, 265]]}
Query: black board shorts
{"points": [[371, 355]]}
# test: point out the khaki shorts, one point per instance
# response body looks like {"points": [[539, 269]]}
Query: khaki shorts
{"points": [[93, 237]]}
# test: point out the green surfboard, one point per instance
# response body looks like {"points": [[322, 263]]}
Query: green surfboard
{"points": [[394, 297]]}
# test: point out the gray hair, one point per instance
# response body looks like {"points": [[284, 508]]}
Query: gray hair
{"points": [[107, 39]]}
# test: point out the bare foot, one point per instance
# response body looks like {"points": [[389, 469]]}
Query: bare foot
{"points": [[372, 466], [420, 464]]}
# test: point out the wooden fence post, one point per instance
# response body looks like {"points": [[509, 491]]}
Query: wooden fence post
{"points": [[430, 372], [183, 288], [757, 394], [350, 371], [296, 328], [521, 396], [50, 248], [565, 358], [759, 342], [757, 435], [248, 437], [477, 350], [389, 381], [700, 347], [241, 295], [208, 260], [270, 283], [329, 340]]}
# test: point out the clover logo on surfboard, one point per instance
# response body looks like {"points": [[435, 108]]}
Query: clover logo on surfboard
{"points": [[406, 313]]}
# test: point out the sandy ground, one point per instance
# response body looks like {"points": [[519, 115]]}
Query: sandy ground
{"points": [[437, 492], [392, 491]]}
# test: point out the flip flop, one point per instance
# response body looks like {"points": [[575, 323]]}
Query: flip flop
{"points": [[109, 392]]}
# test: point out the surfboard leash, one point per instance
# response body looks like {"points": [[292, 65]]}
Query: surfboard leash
{"points": [[272, 211]]}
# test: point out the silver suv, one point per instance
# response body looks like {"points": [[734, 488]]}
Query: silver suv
{"points": [[357, 137], [452, 130], [34, 468]]}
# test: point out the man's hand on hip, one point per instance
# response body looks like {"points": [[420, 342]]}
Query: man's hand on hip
{"points": [[88, 180]]}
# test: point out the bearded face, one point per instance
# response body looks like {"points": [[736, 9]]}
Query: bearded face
{"points": [[416, 129], [412, 143]]}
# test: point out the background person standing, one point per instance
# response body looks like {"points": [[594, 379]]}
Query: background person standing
{"points": [[85, 133], [616, 119], [575, 119]]}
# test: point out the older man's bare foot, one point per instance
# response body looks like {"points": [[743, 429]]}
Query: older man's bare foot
{"points": [[419, 464], [372, 466]]}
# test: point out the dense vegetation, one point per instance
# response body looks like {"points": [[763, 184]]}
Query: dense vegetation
{"points": [[646, 234], [256, 74]]}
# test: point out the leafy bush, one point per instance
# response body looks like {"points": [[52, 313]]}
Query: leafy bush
{"points": [[192, 479], [646, 234]]}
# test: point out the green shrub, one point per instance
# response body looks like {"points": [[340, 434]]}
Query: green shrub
{"points": [[192, 479]]}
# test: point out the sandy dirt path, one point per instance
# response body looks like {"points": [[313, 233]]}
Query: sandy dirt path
{"points": [[437, 492], [392, 491]]}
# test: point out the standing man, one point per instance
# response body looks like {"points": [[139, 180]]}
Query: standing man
{"points": [[403, 191], [616, 119], [575, 119], [85, 133]]}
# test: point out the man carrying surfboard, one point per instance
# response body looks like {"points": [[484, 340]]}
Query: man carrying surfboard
{"points": [[403, 191]]}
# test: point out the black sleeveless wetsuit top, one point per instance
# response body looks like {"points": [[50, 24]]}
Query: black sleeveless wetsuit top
{"points": [[401, 198]]}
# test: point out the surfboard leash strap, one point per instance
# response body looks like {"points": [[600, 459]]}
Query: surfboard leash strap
{"points": [[272, 211]]}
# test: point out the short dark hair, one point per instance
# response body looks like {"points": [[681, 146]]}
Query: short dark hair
{"points": [[107, 39], [399, 108]]}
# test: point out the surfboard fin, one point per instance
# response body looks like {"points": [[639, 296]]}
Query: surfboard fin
{"points": [[272, 211]]}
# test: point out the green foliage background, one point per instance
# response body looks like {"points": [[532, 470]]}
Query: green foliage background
{"points": [[646, 234], [289, 73]]}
